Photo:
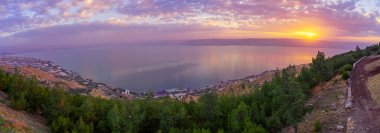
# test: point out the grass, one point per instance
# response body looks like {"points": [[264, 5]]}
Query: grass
{"points": [[372, 66], [374, 88]]}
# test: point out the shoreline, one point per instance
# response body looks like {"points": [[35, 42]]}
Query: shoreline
{"points": [[111, 92]]}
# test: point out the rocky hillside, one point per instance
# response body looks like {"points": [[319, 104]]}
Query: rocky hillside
{"points": [[331, 107], [327, 108]]}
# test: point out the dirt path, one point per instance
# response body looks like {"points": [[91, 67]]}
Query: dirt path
{"points": [[365, 114]]}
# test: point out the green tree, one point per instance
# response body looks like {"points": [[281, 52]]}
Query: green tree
{"points": [[19, 102], [238, 117], [82, 127], [61, 124], [250, 127], [321, 68], [113, 119], [209, 111]]}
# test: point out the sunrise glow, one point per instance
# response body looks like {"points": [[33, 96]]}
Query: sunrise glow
{"points": [[118, 21], [307, 35], [189, 66]]}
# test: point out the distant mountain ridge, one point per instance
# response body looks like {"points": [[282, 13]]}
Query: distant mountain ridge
{"points": [[283, 42], [278, 42]]}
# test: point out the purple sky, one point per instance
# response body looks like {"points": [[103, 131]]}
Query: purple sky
{"points": [[118, 21]]}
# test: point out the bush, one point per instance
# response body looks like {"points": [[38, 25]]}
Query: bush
{"points": [[345, 75], [317, 126], [347, 67], [1, 121]]}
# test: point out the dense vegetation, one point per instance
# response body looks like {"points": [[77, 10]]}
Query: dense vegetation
{"points": [[279, 103]]}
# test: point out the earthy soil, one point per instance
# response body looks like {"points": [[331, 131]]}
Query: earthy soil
{"points": [[327, 105], [365, 114]]}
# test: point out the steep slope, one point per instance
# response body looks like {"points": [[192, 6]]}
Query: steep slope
{"points": [[327, 105], [19, 121], [328, 102]]}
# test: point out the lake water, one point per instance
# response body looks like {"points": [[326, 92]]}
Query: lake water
{"points": [[149, 68]]}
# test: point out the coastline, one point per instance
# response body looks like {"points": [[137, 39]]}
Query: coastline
{"points": [[103, 90]]}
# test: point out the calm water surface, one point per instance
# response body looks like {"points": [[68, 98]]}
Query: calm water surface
{"points": [[149, 68]]}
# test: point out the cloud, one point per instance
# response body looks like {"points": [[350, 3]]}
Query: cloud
{"points": [[105, 33], [345, 20], [83, 17]]}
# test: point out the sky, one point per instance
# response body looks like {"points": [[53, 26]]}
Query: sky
{"points": [[51, 22]]}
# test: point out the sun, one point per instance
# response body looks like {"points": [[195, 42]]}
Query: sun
{"points": [[307, 34], [310, 34]]}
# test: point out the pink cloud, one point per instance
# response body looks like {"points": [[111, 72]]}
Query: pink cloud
{"points": [[60, 17]]}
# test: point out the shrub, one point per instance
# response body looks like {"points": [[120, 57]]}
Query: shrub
{"points": [[347, 67], [345, 75], [1, 121], [317, 126]]}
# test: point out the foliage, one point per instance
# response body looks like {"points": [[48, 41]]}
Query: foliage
{"points": [[1, 121], [347, 67], [345, 75], [317, 126]]}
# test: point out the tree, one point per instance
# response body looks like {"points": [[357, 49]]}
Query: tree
{"points": [[357, 48], [209, 111], [19, 102], [61, 124], [321, 68], [250, 127], [238, 118], [113, 119], [150, 121], [82, 127], [358, 52], [306, 77]]}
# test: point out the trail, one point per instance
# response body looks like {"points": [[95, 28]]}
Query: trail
{"points": [[365, 114]]}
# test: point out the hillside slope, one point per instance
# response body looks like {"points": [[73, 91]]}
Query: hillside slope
{"points": [[19, 121], [327, 105]]}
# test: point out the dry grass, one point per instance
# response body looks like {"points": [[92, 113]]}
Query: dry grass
{"points": [[21, 122], [42, 75], [45, 76], [190, 98], [374, 88], [372, 66], [98, 93]]}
